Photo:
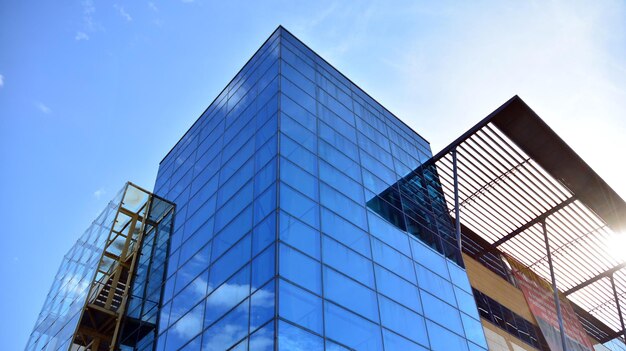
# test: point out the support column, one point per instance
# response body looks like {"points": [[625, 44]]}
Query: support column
{"points": [[619, 309], [557, 301], [457, 210]]}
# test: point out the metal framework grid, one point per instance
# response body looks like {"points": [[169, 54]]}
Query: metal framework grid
{"points": [[515, 181], [103, 315]]}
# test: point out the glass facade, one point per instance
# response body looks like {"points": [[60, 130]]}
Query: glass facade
{"points": [[297, 227], [61, 311]]}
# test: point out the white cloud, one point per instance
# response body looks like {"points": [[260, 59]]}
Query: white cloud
{"points": [[98, 193], [152, 6], [123, 12], [189, 325], [1, 80], [88, 10], [90, 24], [43, 108], [81, 36]]}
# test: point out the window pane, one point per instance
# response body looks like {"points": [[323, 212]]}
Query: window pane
{"points": [[292, 338], [263, 339], [229, 330], [393, 260], [300, 269], [397, 289], [350, 329], [262, 305], [442, 313], [227, 296], [403, 321], [350, 294], [346, 232], [443, 340], [299, 235], [300, 307], [299, 205], [347, 261]]}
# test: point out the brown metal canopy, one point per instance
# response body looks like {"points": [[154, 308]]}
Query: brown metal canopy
{"points": [[514, 172]]}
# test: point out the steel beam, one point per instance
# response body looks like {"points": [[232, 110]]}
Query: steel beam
{"points": [[607, 273], [557, 301], [619, 309], [457, 208]]}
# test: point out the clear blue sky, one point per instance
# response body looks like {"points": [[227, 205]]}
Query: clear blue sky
{"points": [[94, 93]]}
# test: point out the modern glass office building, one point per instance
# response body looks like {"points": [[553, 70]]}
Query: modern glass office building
{"points": [[308, 217], [281, 238]]}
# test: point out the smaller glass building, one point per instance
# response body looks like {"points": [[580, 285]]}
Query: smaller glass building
{"points": [[61, 311], [107, 292]]}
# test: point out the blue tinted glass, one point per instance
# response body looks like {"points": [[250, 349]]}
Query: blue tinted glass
{"points": [[342, 205], [297, 94], [298, 132], [263, 234], [429, 258], [193, 245], [228, 331], [299, 235], [186, 328], [192, 268], [230, 262], [265, 177], [332, 119], [232, 232], [189, 296], [397, 289], [339, 141], [265, 153], [347, 261], [340, 161], [292, 338], [473, 330], [459, 277], [227, 296], [393, 260], [388, 233], [263, 267], [299, 206], [402, 321], [265, 204], [331, 346], [345, 232], [443, 340], [300, 269], [298, 154], [241, 346], [435, 284], [442, 313], [237, 203], [344, 184], [300, 307], [350, 294], [466, 302], [394, 341], [299, 179], [193, 345], [350, 329], [299, 113], [262, 305], [263, 339]]}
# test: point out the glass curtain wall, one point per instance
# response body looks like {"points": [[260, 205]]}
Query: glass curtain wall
{"points": [[61, 311], [275, 247]]}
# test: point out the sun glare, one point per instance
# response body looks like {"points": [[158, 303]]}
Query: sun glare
{"points": [[616, 246]]}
